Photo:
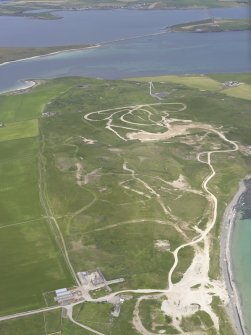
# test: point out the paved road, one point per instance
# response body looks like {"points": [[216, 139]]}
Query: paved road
{"points": [[23, 314]]}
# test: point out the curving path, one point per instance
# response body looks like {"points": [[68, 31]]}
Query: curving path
{"points": [[107, 115]]}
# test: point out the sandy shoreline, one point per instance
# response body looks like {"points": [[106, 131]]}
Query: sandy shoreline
{"points": [[235, 310], [50, 54], [27, 84], [32, 83]]}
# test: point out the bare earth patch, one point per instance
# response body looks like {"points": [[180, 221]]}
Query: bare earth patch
{"points": [[184, 300], [162, 245], [87, 140]]}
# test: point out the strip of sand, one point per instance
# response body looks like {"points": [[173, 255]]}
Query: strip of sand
{"points": [[25, 86], [50, 54], [226, 263]]}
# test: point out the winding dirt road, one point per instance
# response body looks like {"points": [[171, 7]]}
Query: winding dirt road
{"points": [[108, 115]]}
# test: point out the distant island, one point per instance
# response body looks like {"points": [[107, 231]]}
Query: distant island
{"points": [[45, 9], [212, 25]]}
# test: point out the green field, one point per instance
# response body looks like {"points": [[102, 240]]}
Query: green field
{"points": [[98, 317], [41, 324], [21, 129], [115, 200], [197, 82], [30, 260], [205, 83], [242, 92]]}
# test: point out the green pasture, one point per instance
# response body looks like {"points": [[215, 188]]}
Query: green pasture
{"points": [[206, 83], [132, 248], [30, 260], [41, 324], [28, 106], [16, 130], [24, 326], [105, 224], [19, 199], [243, 92], [198, 82], [69, 328], [53, 321], [98, 223], [241, 77], [98, 317], [94, 315], [31, 265]]}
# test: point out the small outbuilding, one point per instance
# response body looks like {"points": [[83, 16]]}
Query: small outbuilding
{"points": [[116, 310]]}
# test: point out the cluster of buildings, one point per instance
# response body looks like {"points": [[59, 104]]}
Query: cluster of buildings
{"points": [[93, 280], [65, 296], [231, 83], [90, 281]]}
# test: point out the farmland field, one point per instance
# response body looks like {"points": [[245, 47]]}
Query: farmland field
{"points": [[22, 129]]}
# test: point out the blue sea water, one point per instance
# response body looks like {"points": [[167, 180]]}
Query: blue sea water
{"points": [[170, 53], [178, 53], [95, 26], [241, 257]]}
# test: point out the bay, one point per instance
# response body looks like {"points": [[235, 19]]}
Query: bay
{"points": [[95, 26], [169, 53]]}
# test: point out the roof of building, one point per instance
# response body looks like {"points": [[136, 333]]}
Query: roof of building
{"points": [[61, 291]]}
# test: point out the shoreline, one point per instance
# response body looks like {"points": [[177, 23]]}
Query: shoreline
{"points": [[228, 224], [129, 7], [27, 85], [50, 54], [94, 46]]}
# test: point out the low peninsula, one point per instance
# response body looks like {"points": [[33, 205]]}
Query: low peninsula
{"points": [[212, 25], [11, 54]]}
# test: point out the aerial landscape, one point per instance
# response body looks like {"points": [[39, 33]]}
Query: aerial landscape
{"points": [[125, 141]]}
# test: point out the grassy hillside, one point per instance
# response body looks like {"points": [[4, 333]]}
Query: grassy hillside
{"points": [[115, 200]]}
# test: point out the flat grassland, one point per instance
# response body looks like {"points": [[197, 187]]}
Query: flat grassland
{"points": [[39, 324], [21, 129], [198, 82], [203, 82], [98, 316], [122, 205], [30, 261]]}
